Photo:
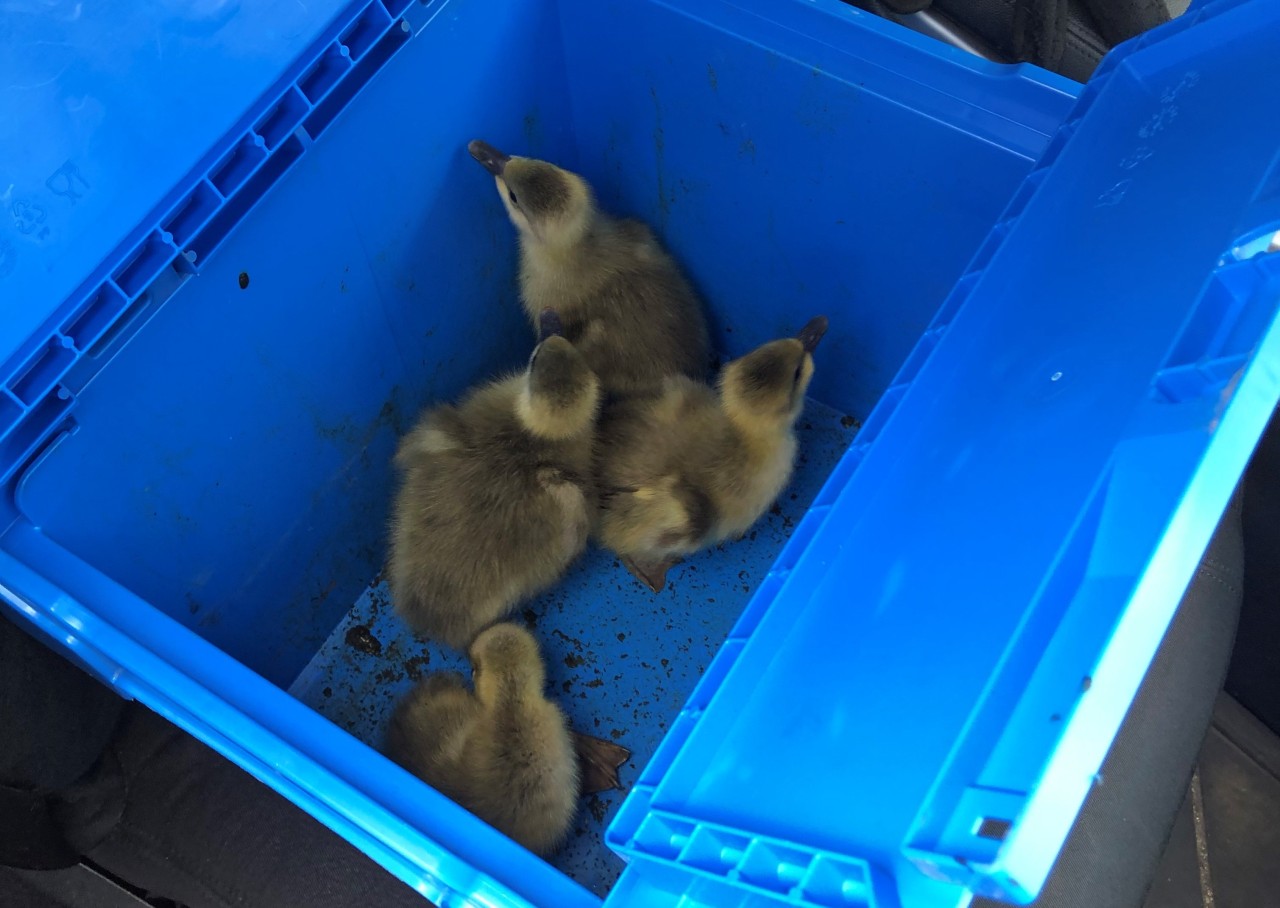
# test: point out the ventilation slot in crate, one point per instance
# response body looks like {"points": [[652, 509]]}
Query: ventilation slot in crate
{"points": [[981, 823]]}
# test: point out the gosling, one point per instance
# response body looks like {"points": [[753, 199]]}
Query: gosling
{"points": [[690, 466], [504, 751], [497, 496], [625, 303]]}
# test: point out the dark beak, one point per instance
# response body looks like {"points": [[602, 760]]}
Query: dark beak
{"points": [[812, 332], [549, 325], [490, 158]]}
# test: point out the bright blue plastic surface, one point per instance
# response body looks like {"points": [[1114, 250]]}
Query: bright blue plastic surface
{"points": [[926, 701], [197, 462], [107, 108]]}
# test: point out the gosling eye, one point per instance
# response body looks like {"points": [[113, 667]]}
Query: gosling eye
{"points": [[512, 196], [799, 369]]}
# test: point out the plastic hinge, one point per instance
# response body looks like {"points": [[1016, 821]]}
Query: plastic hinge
{"points": [[791, 873], [141, 274]]}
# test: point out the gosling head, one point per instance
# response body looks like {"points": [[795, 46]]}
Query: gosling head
{"points": [[505, 662], [561, 394], [765, 389], [550, 206]]}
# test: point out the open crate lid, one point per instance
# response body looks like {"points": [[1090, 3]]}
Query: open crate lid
{"points": [[128, 127], [918, 700]]}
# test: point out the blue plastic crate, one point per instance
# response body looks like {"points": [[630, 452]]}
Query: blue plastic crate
{"points": [[244, 248]]}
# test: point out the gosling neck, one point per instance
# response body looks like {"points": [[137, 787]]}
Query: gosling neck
{"points": [[567, 246], [762, 438], [555, 422], [512, 693]]}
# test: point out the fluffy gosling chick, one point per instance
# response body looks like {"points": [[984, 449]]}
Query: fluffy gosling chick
{"points": [[497, 494], [689, 466], [504, 752], [625, 303]]}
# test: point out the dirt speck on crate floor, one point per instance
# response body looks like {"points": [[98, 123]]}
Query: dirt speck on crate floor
{"points": [[414, 666], [598, 808], [359, 637]]}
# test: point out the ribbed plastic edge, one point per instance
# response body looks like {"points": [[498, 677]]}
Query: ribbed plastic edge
{"points": [[172, 245]]}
